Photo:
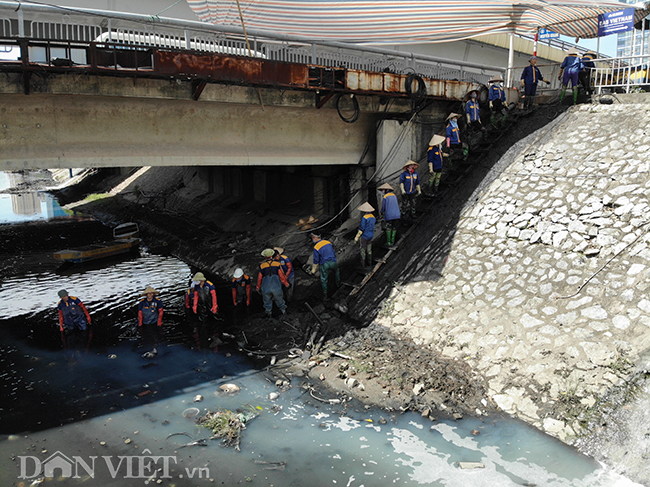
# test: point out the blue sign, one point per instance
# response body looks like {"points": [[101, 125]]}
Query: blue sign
{"points": [[547, 34], [615, 22]]}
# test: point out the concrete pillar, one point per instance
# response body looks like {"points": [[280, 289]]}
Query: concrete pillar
{"points": [[393, 150], [259, 182], [320, 187]]}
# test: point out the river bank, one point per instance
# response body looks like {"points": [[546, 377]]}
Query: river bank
{"points": [[533, 301], [217, 234]]}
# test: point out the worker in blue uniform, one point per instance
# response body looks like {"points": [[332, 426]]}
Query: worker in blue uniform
{"points": [[150, 313], [473, 112], [289, 272], [409, 183], [390, 212], [570, 71], [530, 76], [435, 160], [497, 100], [475, 127], [365, 233], [204, 308], [452, 132], [585, 75], [325, 259], [74, 324], [241, 288], [270, 280]]}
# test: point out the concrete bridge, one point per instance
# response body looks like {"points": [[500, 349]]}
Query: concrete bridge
{"points": [[108, 92]]}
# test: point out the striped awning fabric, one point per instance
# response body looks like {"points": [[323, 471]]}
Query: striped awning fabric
{"points": [[411, 21]]}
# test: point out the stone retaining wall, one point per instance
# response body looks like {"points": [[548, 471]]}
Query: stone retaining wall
{"points": [[544, 290]]}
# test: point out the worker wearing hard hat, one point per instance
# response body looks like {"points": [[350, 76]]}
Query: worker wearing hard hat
{"points": [[202, 301], [409, 183], [529, 79], [570, 71], [365, 233], [74, 323], [434, 157], [390, 211], [270, 280], [205, 296], [325, 260], [241, 288]]}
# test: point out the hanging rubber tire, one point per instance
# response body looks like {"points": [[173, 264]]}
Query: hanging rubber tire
{"points": [[421, 90], [357, 111]]}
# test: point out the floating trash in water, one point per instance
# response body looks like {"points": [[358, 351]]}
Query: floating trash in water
{"points": [[198, 398], [191, 413], [112, 356], [229, 388], [228, 425], [273, 396]]}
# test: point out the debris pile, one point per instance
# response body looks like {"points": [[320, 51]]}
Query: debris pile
{"points": [[228, 425]]}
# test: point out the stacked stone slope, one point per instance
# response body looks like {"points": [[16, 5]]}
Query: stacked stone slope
{"points": [[545, 288]]}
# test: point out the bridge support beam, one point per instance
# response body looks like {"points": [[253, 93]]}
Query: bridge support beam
{"points": [[54, 130]]}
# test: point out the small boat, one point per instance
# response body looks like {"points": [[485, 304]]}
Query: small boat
{"points": [[125, 239]]}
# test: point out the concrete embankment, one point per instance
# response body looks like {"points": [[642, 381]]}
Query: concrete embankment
{"points": [[543, 285]]}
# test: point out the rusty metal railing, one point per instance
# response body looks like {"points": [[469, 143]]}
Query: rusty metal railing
{"points": [[51, 23]]}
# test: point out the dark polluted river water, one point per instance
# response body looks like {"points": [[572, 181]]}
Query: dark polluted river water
{"points": [[110, 418]]}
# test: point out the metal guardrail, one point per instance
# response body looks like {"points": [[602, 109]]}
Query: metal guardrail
{"points": [[621, 74], [82, 26]]}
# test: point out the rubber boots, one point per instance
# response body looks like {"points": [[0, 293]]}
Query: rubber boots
{"points": [[363, 257], [390, 237], [562, 93], [369, 258], [575, 96]]}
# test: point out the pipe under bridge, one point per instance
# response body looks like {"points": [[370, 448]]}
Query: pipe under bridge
{"points": [[105, 89]]}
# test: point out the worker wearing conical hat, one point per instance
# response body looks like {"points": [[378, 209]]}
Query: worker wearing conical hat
{"points": [[409, 183], [452, 133], [496, 98], [390, 211], [150, 314], [570, 71], [365, 234], [434, 157]]}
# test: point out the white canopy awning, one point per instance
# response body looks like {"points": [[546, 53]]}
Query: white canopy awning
{"points": [[411, 21]]}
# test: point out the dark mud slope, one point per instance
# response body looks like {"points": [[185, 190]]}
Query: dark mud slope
{"points": [[422, 255]]}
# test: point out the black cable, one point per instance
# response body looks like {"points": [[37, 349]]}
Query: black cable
{"points": [[357, 111]]}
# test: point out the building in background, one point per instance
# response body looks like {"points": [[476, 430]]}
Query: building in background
{"points": [[633, 42]]}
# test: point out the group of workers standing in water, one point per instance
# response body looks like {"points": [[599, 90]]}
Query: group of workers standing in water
{"points": [[275, 282]]}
